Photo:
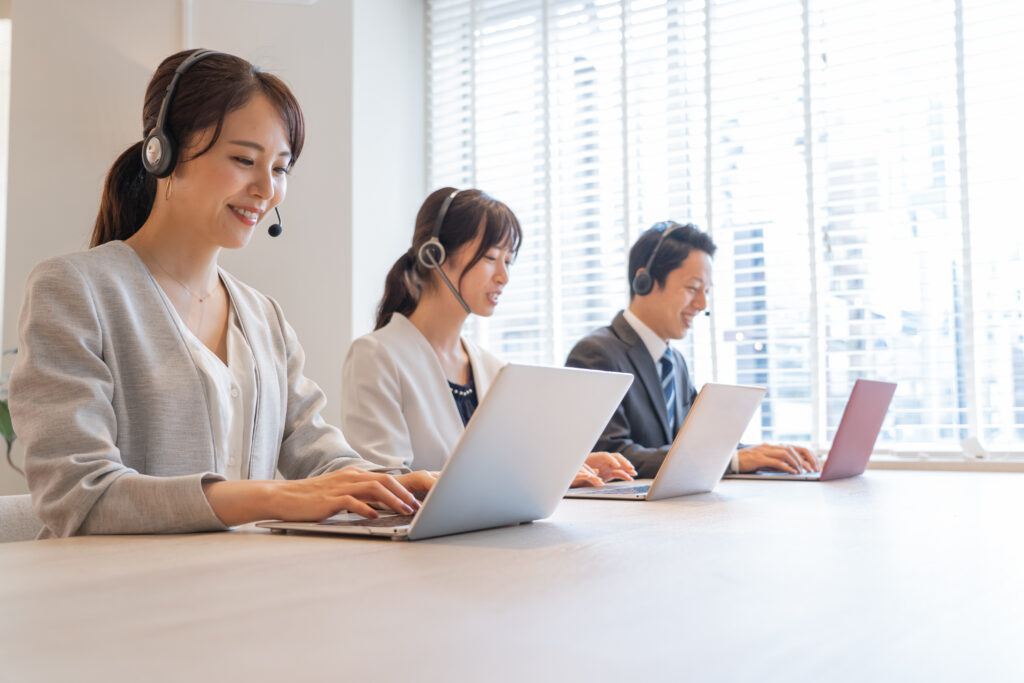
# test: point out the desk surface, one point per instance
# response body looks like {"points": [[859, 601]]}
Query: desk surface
{"points": [[891, 576]]}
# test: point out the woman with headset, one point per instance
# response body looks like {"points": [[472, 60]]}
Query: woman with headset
{"points": [[153, 391], [411, 385]]}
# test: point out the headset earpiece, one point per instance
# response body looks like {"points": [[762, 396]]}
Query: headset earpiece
{"points": [[159, 153], [431, 253], [159, 148], [643, 283]]}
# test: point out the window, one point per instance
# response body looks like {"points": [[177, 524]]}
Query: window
{"points": [[858, 175]]}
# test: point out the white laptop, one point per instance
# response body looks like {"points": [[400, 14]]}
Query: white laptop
{"points": [[519, 453], [701, 450]]}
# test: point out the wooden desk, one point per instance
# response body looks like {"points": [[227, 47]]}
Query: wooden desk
{"points": [[893, 576]]}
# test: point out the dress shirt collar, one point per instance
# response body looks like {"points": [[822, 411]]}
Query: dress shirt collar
{"points": [[656, 346]]}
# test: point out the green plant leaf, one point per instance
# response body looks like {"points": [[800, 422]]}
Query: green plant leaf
{"points": [[6, 428]]}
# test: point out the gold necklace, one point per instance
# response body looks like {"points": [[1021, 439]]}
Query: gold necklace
{"points": [[200, 299]]}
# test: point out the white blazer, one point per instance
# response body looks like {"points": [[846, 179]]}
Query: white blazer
{"points": [[396, 405]]}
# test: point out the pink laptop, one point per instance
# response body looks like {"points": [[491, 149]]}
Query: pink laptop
{"points": [[855, 438]]}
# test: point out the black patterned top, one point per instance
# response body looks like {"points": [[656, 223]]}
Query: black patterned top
{"points": [[465, 397]]}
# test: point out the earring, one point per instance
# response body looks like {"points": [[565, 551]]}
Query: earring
{"points": [[167, 190]]}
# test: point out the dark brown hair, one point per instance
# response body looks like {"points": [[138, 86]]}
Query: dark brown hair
{"points": [[406, 279], [674, 249], [211, 89]]}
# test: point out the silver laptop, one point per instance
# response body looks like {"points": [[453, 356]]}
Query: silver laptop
{"points": [[519, 453], [700, 451], [855, 436]]}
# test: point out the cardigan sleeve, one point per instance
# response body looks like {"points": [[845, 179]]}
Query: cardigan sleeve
{"points": [[371, 405], [309, 445], [61, 395]]}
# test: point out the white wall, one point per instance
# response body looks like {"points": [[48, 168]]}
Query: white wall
{"points": [[389, 144], [79, 71]]}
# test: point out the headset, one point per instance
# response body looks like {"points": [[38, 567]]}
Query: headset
{"points": [[643, 283], [431, 253], [159, 148]]}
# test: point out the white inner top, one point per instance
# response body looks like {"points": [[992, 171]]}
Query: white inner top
{"points": [[230, 392]]}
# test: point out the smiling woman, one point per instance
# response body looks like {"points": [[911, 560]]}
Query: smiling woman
{"points": [[179, 391]]}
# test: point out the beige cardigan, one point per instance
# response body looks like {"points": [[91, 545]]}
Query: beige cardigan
{"points": [[107, 399]]}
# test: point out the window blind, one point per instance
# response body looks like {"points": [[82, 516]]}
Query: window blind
{"points": [[856, 161]]}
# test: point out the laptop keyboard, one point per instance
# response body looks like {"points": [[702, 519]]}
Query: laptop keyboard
{"points": [[386, 520], [617, 490]]}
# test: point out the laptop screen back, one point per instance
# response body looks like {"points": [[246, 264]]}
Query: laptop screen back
{"points": [[858, 430], [521, 449], [704, 445]]}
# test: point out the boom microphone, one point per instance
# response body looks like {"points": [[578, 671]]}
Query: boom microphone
{"points": [[275, 229]]}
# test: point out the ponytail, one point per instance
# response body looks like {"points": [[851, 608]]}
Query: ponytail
{"points": [[127, 198], [402, 289]]}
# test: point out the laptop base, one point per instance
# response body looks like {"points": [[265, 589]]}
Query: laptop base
{"points": [[348, 524], [774, 475], [632, 490]]}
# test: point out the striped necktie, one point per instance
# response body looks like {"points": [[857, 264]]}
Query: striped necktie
{"points": [[668, 387]]}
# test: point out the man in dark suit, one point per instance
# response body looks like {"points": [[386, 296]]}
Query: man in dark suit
{"points": [[670, 276]]}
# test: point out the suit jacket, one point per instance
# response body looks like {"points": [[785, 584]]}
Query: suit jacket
{"points": [[108, 400], [639, 427], [396, 404]]}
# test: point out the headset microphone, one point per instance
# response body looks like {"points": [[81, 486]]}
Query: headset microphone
{"points": [[431, 253], [427, 258], [275, 229]]}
